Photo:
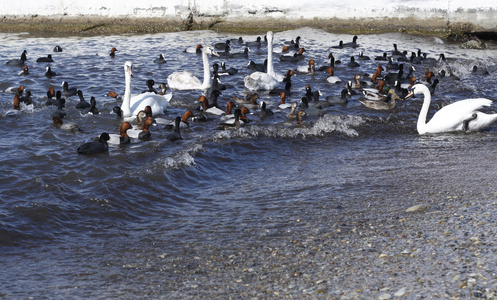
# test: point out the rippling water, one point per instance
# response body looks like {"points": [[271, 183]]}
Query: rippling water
{"points": [[75, 225]]}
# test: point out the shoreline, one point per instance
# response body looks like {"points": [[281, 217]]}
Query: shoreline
{"points": [[91, 25]]}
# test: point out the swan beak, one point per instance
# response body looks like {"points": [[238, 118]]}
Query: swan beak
{"points": [[411, 93]]}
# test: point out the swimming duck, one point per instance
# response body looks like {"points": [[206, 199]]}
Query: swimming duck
{"points": [[95, 147], [145, 133], [382, 105], [175, 135], [66, 91], [72, 127], [18, 62], [160, 59], [265, 112], [82, 104], [93, 106], [184, 121], [49, 73], [45, 59], [113, 52], [122, 137]]}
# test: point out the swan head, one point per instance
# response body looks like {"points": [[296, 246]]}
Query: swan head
{"points": [[210, 50], [128, 68], [417, 89], [269, 37]]}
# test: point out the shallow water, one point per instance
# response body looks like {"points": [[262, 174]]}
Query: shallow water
{"points": [[111, 225]]}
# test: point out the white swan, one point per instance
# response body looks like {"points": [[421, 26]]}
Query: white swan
{"points": [[462, 115], [264, 81], [185, 80], [132, 105]]}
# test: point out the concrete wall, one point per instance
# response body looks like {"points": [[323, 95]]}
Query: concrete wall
{"points": [[480, 13]]}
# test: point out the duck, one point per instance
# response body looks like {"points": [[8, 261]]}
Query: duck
{"points": [[293, 58], [132, 105], [27, 99], [57, 49], [135, 131], [352, 63], [462, 115], [233, 123], [342, 99], [59, 112], [175, 135], [225, 53], [150, 87], [45, 59], [283, 104], [113, 52], [331, 76], [298, 117], [257, 67], [382, 105], [250, 99], [145, 133], [68, 92], [378, 94], [243, 54], [95, 147], [123, 137], [82, 104], [72, 127], [49, 73], [117, 110], [352, 44], [310, 68], [196, 49], [211, 109], [185, 80], [311, 110], [265, 112], [362, 56], [184, 121], [479, 71], [93, 106], [292, 114], [56, 101], [50, 99], [18, 62], [222, 45], [160, 60], [264, 80], [25, 71], [383, 57], [256, 43]]}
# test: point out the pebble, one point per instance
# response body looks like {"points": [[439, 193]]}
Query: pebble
{"points": [[417, 208], [385, 296], [400, 292]]}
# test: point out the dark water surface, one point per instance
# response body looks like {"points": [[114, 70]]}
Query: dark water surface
{"points": [[113, 225]]}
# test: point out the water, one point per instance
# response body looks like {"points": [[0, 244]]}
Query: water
{"points": [[136, 221]]}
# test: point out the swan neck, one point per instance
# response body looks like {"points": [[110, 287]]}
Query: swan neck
{"points": [[125, 107], [207, 72], [421, 126], [270, 69]]}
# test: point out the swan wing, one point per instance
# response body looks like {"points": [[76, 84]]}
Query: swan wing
{"points": [[184, 80], [452, 116], [158, 103], [260, 81]]}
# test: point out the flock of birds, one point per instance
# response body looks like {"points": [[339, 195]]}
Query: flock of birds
{"points": [[391, 81]]}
